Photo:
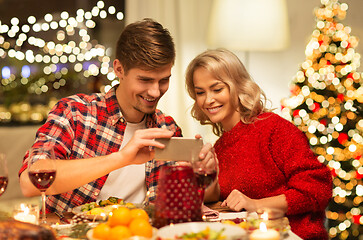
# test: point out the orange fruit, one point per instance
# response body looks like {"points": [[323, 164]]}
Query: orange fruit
{"points": [[120, 216], [139, 213], [119, 233], [141, 227], [101, 231]]}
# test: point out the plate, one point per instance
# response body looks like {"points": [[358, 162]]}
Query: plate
{"points": [[89, 236], [106, 210], [228, 216], [171, 231], [68, 229]]}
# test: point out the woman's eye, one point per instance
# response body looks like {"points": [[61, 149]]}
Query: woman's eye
{"points": [[218, 90], [199, 93]]}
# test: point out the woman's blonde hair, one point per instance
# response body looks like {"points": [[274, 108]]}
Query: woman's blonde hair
{"points": [[246, 96]]}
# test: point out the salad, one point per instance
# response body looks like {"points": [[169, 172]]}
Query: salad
{"points": [[103, 203], [206, 234]]}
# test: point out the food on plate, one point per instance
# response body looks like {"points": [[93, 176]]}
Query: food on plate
{"points": [[123, 223], [249, 224], [13, 230], [206, 234], [103, 203]]}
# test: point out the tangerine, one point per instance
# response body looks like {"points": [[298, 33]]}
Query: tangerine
{"points": [[120, 216], [119, 232], [139, 213], [101, 231], [141, 227]]}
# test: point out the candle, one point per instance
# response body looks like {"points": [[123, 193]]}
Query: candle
{"points": [[23, 217], [264, 234], [26, 213]]}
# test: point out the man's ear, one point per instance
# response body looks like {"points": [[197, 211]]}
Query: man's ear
{"points": [[118, 69]]}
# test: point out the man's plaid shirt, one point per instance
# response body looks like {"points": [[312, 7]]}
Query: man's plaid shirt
{"points": [[84, 126]]}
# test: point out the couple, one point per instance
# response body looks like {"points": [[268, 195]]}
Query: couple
{"points": [[264, 161]]}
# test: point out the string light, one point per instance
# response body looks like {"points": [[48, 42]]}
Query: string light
{"points": [[55, 59], [326, 104]]}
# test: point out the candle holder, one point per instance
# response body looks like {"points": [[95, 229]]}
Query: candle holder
{"points": [[177, 198], [268, 222], [26, 213]]}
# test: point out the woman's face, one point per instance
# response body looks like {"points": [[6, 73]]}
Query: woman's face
{"points": [[213, 98]]}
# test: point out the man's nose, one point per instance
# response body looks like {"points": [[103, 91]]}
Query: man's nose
{"points": [[154, 90]]}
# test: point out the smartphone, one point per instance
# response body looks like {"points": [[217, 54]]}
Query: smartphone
{"points": [[178, 149]]}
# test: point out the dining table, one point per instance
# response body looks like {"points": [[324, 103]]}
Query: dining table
{"points": [[64, 227], [60, 220]]}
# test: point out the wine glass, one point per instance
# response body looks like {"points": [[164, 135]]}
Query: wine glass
{"points": [[205, 172], [3, 174], [42, 172]]}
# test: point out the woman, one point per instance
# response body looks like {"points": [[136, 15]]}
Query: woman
{"points": [[264, 160]]}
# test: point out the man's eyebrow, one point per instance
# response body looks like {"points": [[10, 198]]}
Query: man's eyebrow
{"points": [[144, 77], [141, 77]]}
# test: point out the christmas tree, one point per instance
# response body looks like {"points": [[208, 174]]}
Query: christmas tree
{"points": [[43, 60], [326, 104]]}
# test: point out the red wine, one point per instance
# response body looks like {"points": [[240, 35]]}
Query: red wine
{"points": [[42, 179], [3, 184], [205, 179]]}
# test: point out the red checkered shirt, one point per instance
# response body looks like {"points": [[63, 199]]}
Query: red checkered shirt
{"points": [[84, 126]]}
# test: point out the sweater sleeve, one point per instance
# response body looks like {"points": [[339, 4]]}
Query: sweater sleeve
{"points": [[309, 182]]}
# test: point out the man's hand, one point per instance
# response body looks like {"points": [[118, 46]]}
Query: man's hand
{"points": [[140, 147]]}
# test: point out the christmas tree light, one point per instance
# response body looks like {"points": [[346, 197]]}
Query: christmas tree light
{"points": [[326, 104]]}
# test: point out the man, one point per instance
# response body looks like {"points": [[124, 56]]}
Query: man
{"points": [[104, 142]]}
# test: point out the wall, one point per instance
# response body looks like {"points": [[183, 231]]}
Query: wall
{"points": [[187, 21]]}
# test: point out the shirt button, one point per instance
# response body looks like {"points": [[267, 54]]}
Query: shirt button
{"points": [[96, 194], [118, 137], [113, 122]]}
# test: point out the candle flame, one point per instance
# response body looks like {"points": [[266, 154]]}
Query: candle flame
{"points": [[263, 227]]}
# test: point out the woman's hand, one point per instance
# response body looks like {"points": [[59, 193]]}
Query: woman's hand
{"points": [[237, 201]]}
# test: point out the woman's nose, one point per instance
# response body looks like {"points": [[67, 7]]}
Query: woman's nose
{"points": [[209, 98]]}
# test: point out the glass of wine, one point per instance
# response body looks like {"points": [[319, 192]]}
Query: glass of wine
{"points": [[3, 174], [42, 172], [205, 172]]}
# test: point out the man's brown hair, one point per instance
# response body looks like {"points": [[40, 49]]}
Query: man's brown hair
{"points": [[146, 45]]}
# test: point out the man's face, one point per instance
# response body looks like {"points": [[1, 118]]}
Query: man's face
{"points": [[140, 90]]}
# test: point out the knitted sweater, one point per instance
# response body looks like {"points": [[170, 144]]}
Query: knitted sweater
{"points": [[271, 157]]}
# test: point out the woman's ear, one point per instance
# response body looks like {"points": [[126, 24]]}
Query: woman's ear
{"points": [[118, 69]]}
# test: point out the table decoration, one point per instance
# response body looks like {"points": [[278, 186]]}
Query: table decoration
{"points": [[265, 230], [264, 234], [177, 197], [26, 213]]}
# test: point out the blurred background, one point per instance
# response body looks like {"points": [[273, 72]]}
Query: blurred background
{"points": [[306, 60]]}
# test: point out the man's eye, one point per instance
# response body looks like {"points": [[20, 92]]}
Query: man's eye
{"points": [[218, 90], [199, 93]]}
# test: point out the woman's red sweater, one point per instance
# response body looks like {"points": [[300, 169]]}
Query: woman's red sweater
{"points": [[271, 157]]}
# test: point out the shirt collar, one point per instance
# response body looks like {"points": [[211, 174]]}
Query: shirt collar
{"points": [[113, 107]]}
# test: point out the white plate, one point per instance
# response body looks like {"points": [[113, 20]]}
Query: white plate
{"points": [[89, 236], [77, 210], [66, 229], [108, 209], [171, 231]]}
